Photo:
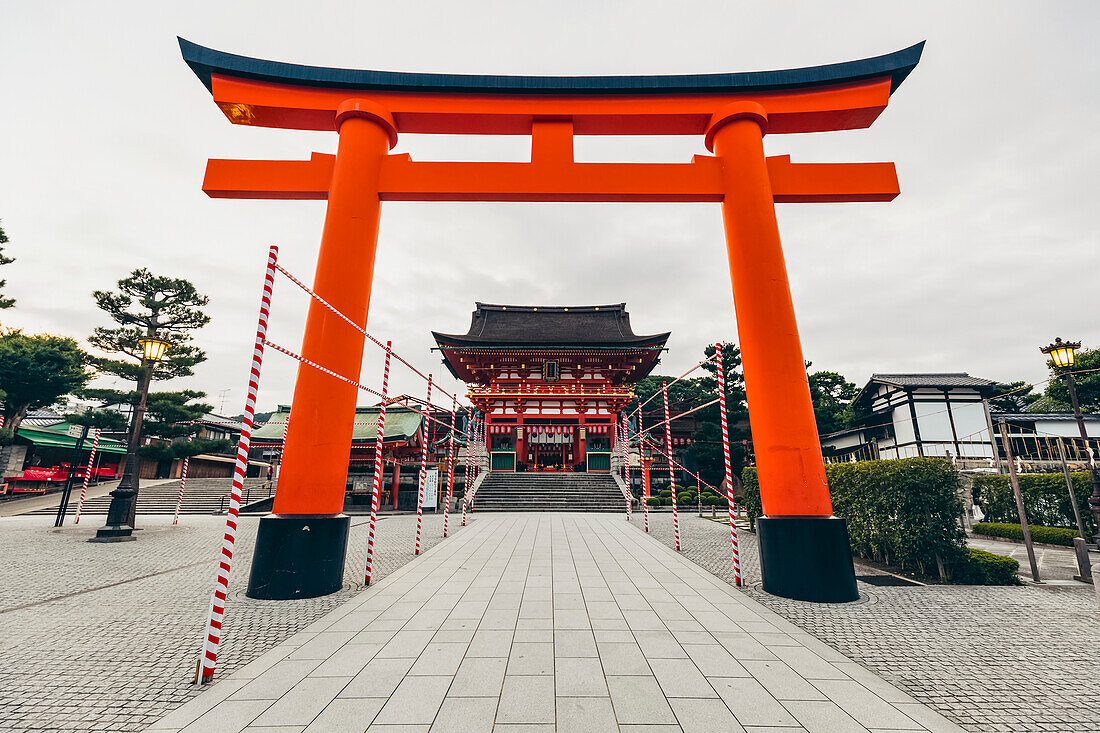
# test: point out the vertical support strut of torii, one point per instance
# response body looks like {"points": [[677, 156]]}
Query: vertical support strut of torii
{"points": [[804, 548]]}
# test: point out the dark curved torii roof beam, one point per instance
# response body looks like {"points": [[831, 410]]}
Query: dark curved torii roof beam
{"points": [[839, 96], [206, 62]]}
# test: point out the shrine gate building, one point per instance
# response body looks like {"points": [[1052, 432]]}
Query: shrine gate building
{"points": [[552, 381]]}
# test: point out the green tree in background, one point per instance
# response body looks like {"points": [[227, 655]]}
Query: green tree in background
{"points": [[1086, 373], [37, 371], [1014, 397], [832, 397], [5, 260], [166, 308], [147, 305]]}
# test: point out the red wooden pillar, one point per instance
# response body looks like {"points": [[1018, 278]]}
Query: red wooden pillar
{"points": [[310, 497], [396, 480], [804, 549]]}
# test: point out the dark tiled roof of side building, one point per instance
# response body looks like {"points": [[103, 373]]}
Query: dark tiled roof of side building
{"points": [[937, 379], [930, 379]]}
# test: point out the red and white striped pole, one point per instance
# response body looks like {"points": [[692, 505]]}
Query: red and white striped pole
{"points": [[469, 472], [423, 464], [699, 493], [645, 472], [87, 472], [183, 480], [221, 590], [376, 490], [729, 465], [671, 471], [626, 465], [450, 466]]}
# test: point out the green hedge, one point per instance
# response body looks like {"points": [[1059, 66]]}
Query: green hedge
{"points": [[1039, 533], [985, 568], [902, 512], [1046, 500], [653, 501]]}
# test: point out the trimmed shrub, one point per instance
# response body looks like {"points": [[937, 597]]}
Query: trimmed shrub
{"points": [[1039, 533], [985, 568], [1046, 500], [902, 512], [666, 500], [665, 493], [686, 497], [653, 501]]}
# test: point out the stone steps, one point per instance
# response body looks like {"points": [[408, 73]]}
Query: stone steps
{"points": [[581, 492], [201, 496]]}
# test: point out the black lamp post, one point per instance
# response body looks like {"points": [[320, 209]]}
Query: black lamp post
{"points": [[1061, 353], [120, 516]]}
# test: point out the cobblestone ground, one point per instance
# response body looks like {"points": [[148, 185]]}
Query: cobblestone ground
{"points": [[990, 659], [105, 637]]}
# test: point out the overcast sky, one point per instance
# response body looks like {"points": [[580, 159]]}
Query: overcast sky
{"points": [[990, 251]]}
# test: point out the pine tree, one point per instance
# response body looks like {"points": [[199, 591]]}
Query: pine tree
{"points": [[4, 260], [148, 305]]}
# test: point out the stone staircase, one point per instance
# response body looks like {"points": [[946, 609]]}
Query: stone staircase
{"points": [[549, 492], [200, 496]]}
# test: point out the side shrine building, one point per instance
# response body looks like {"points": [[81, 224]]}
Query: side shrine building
{"points": [[552, 381]]}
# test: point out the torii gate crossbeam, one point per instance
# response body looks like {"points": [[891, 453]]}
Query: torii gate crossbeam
{"points": [[804, 548]]}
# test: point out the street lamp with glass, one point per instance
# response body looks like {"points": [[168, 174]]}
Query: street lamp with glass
{"points": [[120, 516], [1062, 354]]}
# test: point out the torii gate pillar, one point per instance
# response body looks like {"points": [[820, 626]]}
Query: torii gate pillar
{"points": [[301, 546], [804, 549]]}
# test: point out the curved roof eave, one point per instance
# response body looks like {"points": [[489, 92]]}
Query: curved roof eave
{"points": [[206, 61]]}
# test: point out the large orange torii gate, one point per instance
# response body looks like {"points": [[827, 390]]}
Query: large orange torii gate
{"points": [[301, 547]]}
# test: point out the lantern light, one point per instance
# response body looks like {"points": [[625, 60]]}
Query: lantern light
{"points": [[1061, 352], [153, 348]]}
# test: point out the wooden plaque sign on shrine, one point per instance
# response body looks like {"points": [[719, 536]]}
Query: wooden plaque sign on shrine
{"points": [[803, 547]]}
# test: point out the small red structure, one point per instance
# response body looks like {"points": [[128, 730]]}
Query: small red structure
{"points": [[729, 113]]}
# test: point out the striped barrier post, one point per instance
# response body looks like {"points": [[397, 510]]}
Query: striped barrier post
{"points": [[626, 465], [645, 473], [423, 467], [221, 590], [466, 472], [729, 469], [699, 493], [87, 472], [183, 480], [671, 471], [376, 490], [450, 466]]}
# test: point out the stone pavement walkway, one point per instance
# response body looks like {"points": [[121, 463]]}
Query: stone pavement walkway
{"points": [[105, 637], [1017, 658], [1055, 563], [543, 622]]}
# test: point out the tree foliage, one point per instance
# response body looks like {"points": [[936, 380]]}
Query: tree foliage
{"points": [[150, 305], [37, 371], [5, 260], [169, 415], [1013, 397], [705, 454], [1086, 370], [832, 397]]}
